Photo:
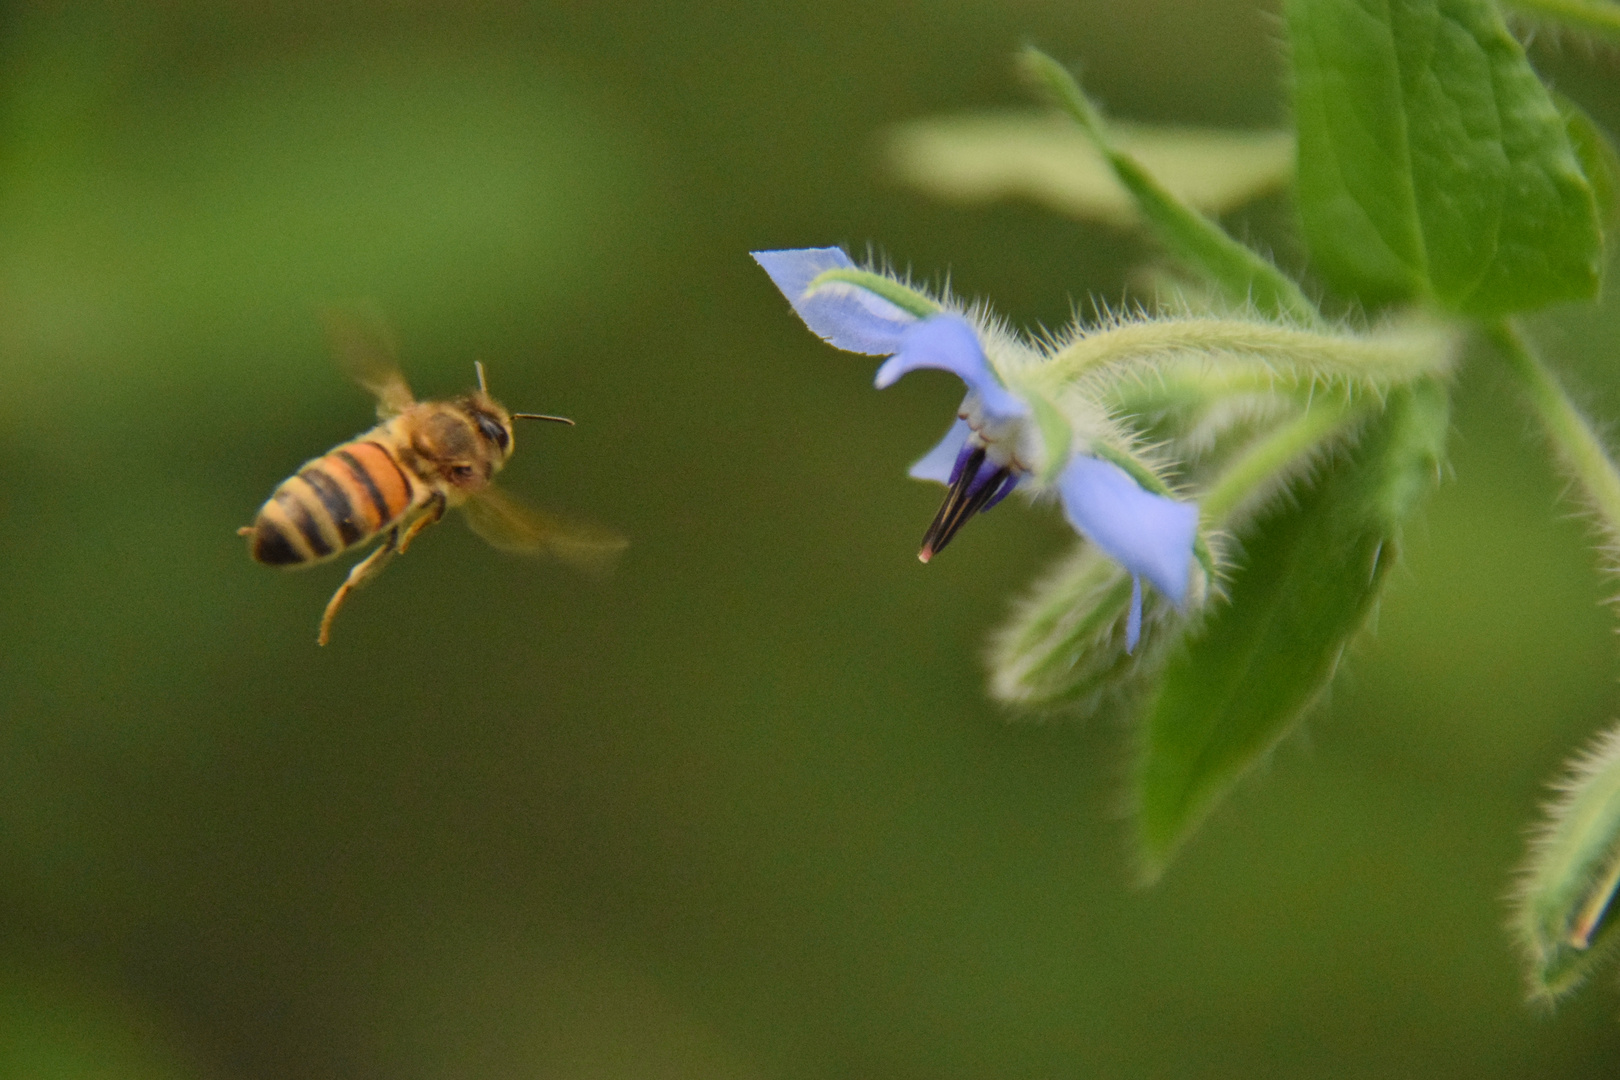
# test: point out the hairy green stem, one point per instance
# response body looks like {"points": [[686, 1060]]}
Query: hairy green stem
{"points": [[1390, 357], [1167, 388], [1242, 273], [1579, 447]]}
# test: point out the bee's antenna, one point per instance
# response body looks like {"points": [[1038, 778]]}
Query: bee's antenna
{"points": [[482, 385]]}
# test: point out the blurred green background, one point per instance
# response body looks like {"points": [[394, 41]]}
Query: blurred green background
{"points": [[742, 810]]}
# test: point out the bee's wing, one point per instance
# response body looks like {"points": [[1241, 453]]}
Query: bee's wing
{"points": [[509, 525], [364, 348]]}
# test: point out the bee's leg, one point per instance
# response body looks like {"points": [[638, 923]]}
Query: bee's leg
{"points": [[429, 516], [246, 530], [362, 572]]}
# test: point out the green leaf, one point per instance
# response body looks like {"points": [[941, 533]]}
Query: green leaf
{"points": [[1045, 158], [1056, 436], [1432, 160], [1311, 573], [1598, 159], [1600, 18], [1242, 274]]}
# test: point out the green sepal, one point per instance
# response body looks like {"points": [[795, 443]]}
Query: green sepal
{"points": [[1057, 437], [1564, 919], [1240, 272], [901, 296], [1065, 646], [1310, 573], [1432, 160]]}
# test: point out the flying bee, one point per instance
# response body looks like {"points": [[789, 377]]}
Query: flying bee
{"points": [[398, 478]]}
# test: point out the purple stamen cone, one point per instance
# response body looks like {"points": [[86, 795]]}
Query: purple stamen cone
{"points": [[975, 482], [988, 471], [962, 457], [1007, 486]]}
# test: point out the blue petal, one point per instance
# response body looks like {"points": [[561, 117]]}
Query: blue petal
{"points": [[1149, 535], [948, 342], [939, 462], [845, 317], [1133, 621]]}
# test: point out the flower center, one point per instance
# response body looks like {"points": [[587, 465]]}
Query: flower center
{"points": [[998, 436]]}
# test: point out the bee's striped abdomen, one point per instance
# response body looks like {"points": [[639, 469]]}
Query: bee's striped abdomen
{"points": [[333, 503]]}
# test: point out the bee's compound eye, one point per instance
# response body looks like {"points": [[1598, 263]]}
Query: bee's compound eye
{"points": [[461, 472], [491, 429]]}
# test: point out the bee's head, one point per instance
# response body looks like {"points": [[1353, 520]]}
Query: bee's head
{"points": [[493, 421]]}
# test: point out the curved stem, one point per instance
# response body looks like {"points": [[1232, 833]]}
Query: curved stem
{"points": [[1243, 274], [1169, 389], [1270, 458], [1571, 434]]}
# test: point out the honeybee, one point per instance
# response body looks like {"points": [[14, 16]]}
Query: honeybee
{"points": [[398, 478]]}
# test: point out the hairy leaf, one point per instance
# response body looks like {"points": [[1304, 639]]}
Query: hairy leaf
{"points": [[1598, 18], [1310, 574], [1432, 161], [1598, 158]]}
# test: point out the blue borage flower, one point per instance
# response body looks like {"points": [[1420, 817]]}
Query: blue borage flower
{"points": [[995, 445]]}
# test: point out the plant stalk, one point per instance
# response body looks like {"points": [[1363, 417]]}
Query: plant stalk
{"points": [[1571, 434]]}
